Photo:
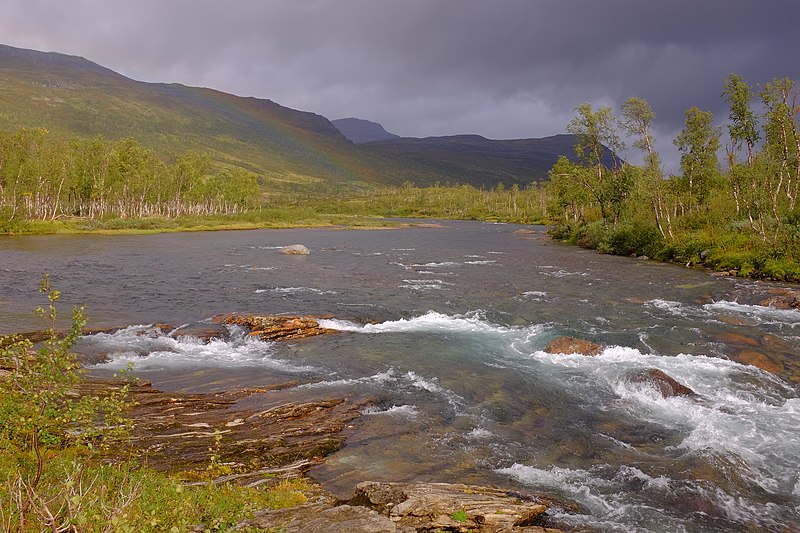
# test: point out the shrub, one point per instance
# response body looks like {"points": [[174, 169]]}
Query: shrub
{"points": [[589, 235], [632, 239]]}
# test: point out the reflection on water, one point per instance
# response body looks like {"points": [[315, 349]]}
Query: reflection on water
{"points": [[445, 329]]}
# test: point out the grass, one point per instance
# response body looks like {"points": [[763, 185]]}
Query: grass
{"points": [[64, 465], [262, 219]]}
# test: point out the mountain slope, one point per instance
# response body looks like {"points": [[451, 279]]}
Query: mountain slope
{"points": [[70, 95], [477, 160], [289, 149], [362, 131]]}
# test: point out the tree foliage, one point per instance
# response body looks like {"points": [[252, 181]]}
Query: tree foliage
{"points": [[752, 205], [45, 178]]}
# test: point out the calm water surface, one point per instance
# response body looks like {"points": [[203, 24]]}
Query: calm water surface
{"points": [[445, 329]]}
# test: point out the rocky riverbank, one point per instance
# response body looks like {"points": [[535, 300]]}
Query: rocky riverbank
{"points": [[250, 437]]}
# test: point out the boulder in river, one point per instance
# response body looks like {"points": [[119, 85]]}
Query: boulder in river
{"points": [[571, 345], [665, 384], [295, 249], [276, 327]]}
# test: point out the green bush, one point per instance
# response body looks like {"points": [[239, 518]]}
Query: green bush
{"points": [[56, 473], [632, 239], [589, 235]]}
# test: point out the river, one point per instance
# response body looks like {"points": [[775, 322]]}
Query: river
{"points": [[445, 328]]}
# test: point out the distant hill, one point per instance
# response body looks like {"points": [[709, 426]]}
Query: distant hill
{"points": [[478, 160], [289, 149], [362, 131]]}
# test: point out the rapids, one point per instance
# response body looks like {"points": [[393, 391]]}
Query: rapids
{"points": [[446, 329]]}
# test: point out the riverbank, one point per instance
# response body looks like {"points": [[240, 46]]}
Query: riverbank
{"points": [[727, 253], [229, 459], [266, 219]]}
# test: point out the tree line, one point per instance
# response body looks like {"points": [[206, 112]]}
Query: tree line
{"points": [[43, 177], [754, 194]]}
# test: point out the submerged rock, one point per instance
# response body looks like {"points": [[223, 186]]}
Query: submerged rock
{"points": [[276, 327], [661, 381], [570, 345], [295, 249], [782, 299], [759, 360], [202, 331]]}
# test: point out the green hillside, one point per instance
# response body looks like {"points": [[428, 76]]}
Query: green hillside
{"points": [[288, 149], [70, 95]]}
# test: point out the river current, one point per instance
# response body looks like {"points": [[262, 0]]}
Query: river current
{"points": [[445, 329]]}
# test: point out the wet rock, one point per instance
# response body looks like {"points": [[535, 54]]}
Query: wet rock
{"points": [[525, 232], [322, 518], [451, 507], [276, 327], [759, 360], [409, 508], [782, 299], [570, 345], [175, 430], [661, 381], [202, 331], [737, 339], [295, 249]]}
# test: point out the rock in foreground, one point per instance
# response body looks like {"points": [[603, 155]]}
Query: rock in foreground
{"points": [[176, 431], [412, 507]]}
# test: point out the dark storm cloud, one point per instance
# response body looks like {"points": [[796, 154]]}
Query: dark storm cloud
{"points": [[500, 68]]}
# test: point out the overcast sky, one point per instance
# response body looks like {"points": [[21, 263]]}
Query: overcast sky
{"points": [[498, 68]]}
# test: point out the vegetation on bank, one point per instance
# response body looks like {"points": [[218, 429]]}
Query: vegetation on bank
{"points": [[57, 465], [743, 218]]}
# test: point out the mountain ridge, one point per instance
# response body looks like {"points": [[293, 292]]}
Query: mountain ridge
{"points": [[362, 131], [287, 148]]}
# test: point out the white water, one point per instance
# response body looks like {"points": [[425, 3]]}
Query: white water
{"points": [[434, 322], [148, 349], [484, 394], [740, 413]]}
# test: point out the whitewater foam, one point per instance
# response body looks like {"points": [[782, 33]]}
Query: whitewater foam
{"points": [[739, 411], [145, 349], [400, 411], [434, 322], [770, 315], [294, 290]]}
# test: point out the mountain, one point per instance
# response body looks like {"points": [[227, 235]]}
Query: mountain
{"points": [[477, 160], [362, 131], [287, 148], [70, 95]]}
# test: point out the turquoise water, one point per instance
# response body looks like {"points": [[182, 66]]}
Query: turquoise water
{"points": [[444, 328]]}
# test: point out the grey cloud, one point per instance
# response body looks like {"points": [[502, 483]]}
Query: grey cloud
{"points": [[503, 69]]}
